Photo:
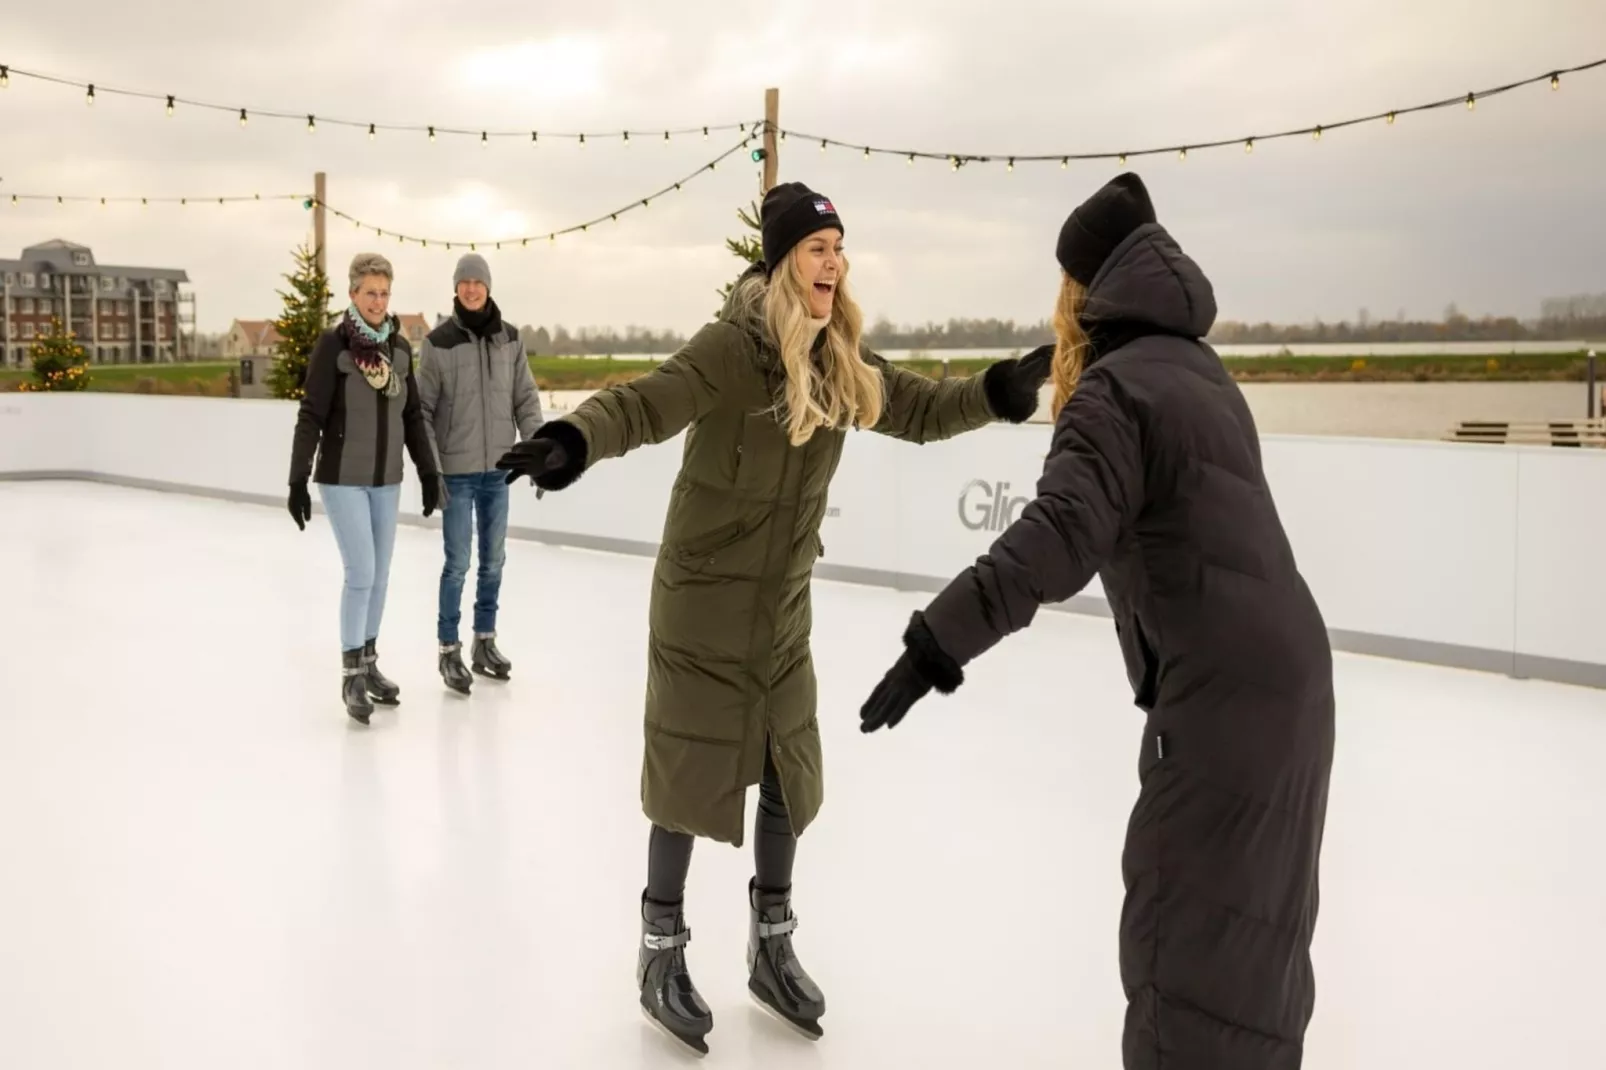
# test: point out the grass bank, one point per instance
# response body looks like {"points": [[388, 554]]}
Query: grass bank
{"points": [[569, 373]]}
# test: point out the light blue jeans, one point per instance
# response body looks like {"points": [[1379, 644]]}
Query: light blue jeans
{"points": [[364, 523]]}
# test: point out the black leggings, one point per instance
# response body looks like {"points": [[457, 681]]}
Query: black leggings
{"points": [[774, 846]]}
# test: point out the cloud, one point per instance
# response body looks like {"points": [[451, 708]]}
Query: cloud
{"points": [[1495, 209]]}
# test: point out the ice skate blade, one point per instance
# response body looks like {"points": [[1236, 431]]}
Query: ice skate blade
{"points": [[695, 1046], [384, 700], [492, 675], [808, 1028]]}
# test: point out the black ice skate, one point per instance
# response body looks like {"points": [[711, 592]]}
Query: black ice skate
{"points": [[488, 661], [453, 671], [383, 690], [354, 685], [668, 998], [776, 978]]}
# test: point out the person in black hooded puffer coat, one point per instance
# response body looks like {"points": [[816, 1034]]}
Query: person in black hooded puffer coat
{"points": [[1154, 483]]}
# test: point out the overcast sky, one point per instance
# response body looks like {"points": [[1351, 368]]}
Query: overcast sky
{"points": [[1494, 210]]}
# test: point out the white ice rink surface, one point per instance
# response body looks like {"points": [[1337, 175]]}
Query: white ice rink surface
{"points": [[206, 865]]}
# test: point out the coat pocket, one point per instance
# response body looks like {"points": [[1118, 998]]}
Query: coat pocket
{"points": [[710, 542]]}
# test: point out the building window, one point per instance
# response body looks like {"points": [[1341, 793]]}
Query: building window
{"points": [[47, 306], [105, 331], [27, 306], [44, 281], [27, 280], [27, 330], [122, 330], [107, 282], [11, 278]]}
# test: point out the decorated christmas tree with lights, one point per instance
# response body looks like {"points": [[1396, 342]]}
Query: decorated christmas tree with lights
{"points": [[305, 317], [59, 362]]}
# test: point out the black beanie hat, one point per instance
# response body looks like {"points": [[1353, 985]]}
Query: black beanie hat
{"points": [[1100, 223], [790, 213]]}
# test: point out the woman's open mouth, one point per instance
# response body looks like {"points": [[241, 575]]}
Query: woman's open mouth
{"points": [[824, 288]]}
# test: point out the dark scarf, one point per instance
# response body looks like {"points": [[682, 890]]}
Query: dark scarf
{"points": [[484, 323], [370, 350]]}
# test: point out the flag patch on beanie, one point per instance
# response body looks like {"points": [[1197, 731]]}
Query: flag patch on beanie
{"points": [[824, 207]]}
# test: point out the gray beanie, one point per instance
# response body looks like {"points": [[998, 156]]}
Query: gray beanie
{"points": [[472, 266]]}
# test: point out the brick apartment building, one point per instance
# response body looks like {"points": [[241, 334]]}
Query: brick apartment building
{"points": [[121, 315]]}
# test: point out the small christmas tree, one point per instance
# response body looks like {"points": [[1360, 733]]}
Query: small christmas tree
{"points": [[748, 248], [305, 317], [58, 361]]}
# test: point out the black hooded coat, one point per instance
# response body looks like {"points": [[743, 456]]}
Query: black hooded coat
{"points": [[1154, 483]]}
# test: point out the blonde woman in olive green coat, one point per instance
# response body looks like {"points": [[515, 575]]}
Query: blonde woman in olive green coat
{"points": [[766, 394]]}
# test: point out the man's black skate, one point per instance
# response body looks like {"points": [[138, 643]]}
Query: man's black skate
{"points": [[668, 997], [453, 670], [776, 978], [488, 661], [354, 685], [383, 690]]}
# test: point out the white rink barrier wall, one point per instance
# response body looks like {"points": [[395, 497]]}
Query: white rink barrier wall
{"points": [[1475, 556]]}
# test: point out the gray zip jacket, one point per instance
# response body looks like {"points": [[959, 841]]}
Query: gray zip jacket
{"points": [[478, 395]]}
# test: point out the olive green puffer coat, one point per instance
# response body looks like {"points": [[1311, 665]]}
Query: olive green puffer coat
{"points": [[729, 667]]}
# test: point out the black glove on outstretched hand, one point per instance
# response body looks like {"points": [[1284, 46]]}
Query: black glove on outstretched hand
{"points": [[532, 457], [922, 666], [1012, 384], [435, 493], [300, 503]]}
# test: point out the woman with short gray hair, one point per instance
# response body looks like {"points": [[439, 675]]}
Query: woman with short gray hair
{"points": [[359, 405]]}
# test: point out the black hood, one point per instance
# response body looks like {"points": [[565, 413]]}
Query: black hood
{"points": [[1149, 285]]}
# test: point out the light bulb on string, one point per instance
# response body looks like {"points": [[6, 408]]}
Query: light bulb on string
{"points": [[911, 159], [1065, 161], [1249, 146], [312, 125], [432, 135], [170, 106], [89, 98], [1391, 118], [627, 137], [1555, 80], [822, 144], [242, 117], [867, 152], [5, 80], [484, 139], [666, 135], [1011, 167], [1472, 101], [1123, 159], [705, 134], [1316, 135], [371, 131], [1182, 154]]}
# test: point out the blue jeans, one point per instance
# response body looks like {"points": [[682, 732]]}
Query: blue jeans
{"points": [[364, 523], [481, 495]]}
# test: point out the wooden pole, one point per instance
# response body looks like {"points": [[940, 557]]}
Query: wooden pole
{"points": [[772, 112], [318, 189]]}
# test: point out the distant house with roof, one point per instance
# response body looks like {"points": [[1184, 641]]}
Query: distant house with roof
{"points": [[120, 315]]}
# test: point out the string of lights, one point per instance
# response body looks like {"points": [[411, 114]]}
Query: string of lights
{"points": [[957, 160], [93, 91], [549, 236], [145, 202]]}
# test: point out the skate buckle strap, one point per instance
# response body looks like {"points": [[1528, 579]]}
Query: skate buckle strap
{"points": [[767, 929], [659, 942], [360, 670]]}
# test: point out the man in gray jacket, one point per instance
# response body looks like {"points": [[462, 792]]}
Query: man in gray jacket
{"points": [[478, 397]]}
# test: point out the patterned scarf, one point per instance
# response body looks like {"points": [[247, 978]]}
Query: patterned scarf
{"points": [[370, 351]]}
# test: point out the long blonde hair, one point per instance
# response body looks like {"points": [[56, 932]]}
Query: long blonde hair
{"points": [[1070, 342], [839, 389]]}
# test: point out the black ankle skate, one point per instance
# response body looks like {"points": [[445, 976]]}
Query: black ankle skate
{"points": [[354, 685], [384, 691], [668, 998], [776, 978], [488, 661], [452, 669]]}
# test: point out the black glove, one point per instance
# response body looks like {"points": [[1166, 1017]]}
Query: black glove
{"points": [[1036, 366], [1012, 384], [901, 688], [300, 503], [532, 457], [923, 665], [435, 493]]}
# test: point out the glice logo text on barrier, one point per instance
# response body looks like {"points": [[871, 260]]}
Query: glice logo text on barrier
{"points": [[985, 506]]}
